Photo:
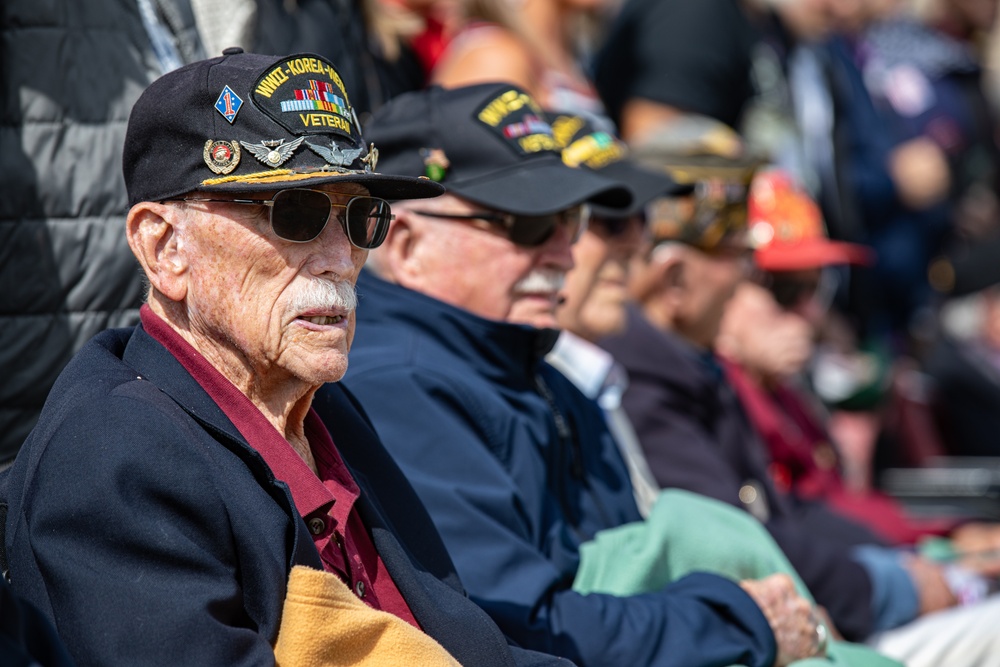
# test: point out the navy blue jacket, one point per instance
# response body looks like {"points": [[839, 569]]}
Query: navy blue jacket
{"points": [[146, 528], [696, 436], [454, 399]]}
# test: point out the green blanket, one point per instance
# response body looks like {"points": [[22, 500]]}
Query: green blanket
{"points": [[686, 533]]}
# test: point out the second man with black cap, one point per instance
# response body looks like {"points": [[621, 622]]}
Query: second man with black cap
{"points": [[517, 467]]}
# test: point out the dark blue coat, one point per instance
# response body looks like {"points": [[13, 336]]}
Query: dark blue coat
{"points": [[454, 399], [145, 527], [696, 436]]}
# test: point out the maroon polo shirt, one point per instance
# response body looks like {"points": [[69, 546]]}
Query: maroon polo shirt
{"points": [[326, 502]]}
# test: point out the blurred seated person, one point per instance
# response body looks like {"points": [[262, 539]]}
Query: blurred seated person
{"points": [[766, 340], [516, 466], [596, 289], [964, 362], [689, 420]]}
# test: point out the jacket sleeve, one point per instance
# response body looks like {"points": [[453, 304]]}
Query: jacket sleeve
{"points": [[118, 534], [684, 454], [490, 520]]}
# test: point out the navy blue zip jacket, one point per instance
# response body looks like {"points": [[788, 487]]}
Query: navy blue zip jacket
{"points": [[145, 527], [455, 399]]}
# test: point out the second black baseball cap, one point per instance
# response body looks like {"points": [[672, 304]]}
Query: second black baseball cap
{"points": [[584, 144], [489, 143]]}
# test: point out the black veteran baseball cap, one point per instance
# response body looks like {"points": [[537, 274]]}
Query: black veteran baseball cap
{"points": [[584, 145], [707, 154], [245, 122], [489, 143]]}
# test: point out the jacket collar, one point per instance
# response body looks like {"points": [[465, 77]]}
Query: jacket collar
{"points": [[153, 362], [498, 350]]}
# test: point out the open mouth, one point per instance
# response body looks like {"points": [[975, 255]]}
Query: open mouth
{"points": [[324, 320]]}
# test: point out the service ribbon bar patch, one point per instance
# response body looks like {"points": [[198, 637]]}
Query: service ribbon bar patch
{"points": [[517, 119], [307, 96]]}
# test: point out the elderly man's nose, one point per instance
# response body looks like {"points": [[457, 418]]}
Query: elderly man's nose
{"points": [[557, 251], [332, 250]]}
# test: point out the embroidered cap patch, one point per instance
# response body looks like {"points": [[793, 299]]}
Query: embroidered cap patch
{"points": [[581, 144], [306, 95], [517, 119]]}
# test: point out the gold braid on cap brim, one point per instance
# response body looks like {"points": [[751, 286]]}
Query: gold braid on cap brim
{"points": [[280, 176]]}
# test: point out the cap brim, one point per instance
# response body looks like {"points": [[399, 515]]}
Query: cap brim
{"points": [[644, 184], [540, 187], [386, 186], [968, 269], [812, 254]]}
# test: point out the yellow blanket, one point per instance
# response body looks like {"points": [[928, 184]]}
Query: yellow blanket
{"points": [[324, 625]]}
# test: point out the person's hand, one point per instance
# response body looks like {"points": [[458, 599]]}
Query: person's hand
{"points": [[768, 342], [919, 169], [796, 627], [931, 583], [978, 546]]}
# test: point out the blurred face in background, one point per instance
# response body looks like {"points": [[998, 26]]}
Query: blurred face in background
{"points": [[704, 284], [596, 288], [770, 342]]}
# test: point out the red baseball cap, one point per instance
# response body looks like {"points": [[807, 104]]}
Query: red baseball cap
{"points": [[787, 231]]}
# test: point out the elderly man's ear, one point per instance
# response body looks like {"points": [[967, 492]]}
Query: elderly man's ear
{"points": [[155, 238], [396, 260], [660, 276]]}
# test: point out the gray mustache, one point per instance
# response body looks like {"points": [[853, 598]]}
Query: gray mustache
{"points": [[541, 280], [317, 294]]}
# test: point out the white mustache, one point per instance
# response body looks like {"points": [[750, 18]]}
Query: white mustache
{"points": [[325, 295], [541, 280]]}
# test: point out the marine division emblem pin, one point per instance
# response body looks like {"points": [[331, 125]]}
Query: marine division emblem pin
{"points": [[228, 104], [222, 156]]}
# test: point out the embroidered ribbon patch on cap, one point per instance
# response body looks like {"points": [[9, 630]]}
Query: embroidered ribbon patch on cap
{"points": [[595, 149], [517, 118], [306, 95]]}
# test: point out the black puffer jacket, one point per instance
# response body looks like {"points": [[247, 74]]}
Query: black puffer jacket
{"points": [[69, 74]]}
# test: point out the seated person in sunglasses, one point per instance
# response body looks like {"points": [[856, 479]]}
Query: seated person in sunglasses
{"points": [[181, 468], [687, 417], [765, 341], [596, 289], [515, 465]]}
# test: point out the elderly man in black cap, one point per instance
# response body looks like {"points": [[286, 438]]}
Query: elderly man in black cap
{"points": [[515, 465], [181, 469]]}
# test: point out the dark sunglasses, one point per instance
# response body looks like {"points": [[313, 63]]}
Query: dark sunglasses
{"points": [[790, 291], [300, 215], [616, 227], [528, 231]]}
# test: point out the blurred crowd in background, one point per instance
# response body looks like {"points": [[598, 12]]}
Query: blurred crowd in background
{"points": [[861, 147], [883, 112]]}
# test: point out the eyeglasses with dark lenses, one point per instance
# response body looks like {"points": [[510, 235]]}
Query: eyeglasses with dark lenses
{"points": [[300, 215], [791, 291], [617, 227], [528, 231]]}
